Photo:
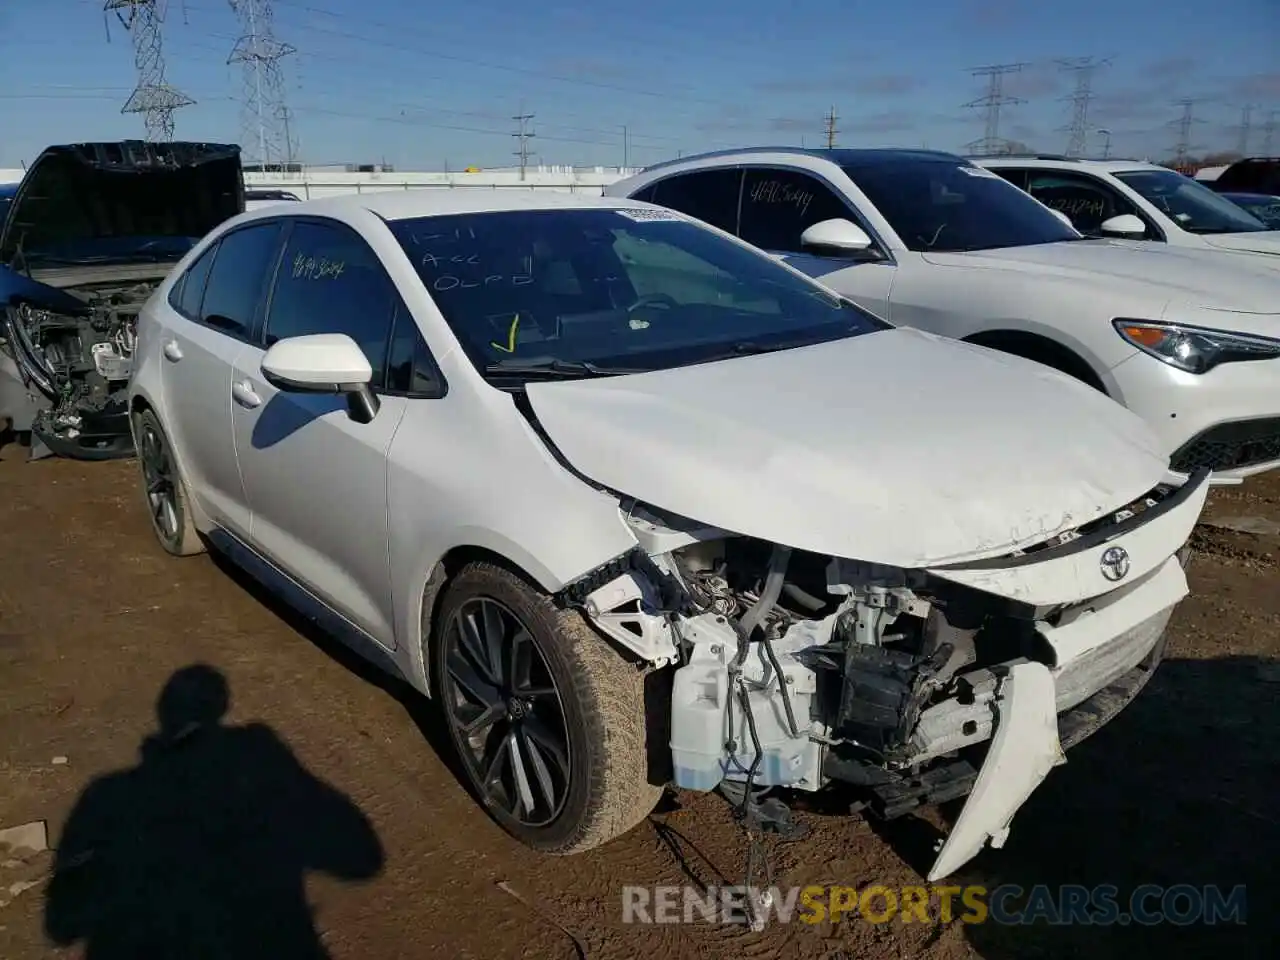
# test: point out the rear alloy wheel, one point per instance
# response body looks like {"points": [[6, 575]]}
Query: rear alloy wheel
{"points": [[164, 491], [547, 719]]}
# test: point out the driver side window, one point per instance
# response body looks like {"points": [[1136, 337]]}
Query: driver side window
{"points": [[331, 281], [779, 205], [1088, 202]]}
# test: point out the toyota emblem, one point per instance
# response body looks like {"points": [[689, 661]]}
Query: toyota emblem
{"points": [[1115, 563]]}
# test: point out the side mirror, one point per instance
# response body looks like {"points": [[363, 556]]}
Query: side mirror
{"points": [[839, 237], [1062, 216], [1125, 225], [323, 363]]}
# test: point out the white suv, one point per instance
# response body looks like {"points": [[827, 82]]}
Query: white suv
{"points": [[1134, 200], [1190, 340], [638, 504]]}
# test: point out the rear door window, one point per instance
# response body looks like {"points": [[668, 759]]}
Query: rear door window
{"points": [[244, 263], [708, 195], [186, 295]]}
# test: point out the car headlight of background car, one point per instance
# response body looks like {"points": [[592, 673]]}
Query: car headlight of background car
{"points": [[1195, 349]]}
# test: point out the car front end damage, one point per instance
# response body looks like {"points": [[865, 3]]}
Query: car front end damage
{"points": [[92, 230], [792, 669], [73, 349]]}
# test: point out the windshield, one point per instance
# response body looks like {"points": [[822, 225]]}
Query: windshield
{"points": [[591, 292], [952, 205], [1266, 209], [1191, 205]]}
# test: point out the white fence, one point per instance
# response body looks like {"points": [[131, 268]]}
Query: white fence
{"points": [[324, 183]]}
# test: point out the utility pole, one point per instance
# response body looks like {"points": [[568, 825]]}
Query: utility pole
{"points": [[523, 134], [1184, 125], [264, 118], [1246, 117], [990, 143], [1084, 68], [155, 99], [625, 150], [830, 129], [1268, 132]]}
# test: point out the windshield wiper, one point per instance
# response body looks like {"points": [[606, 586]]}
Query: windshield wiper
{"points": [[553, 367]]}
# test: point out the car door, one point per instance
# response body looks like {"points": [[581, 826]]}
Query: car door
{"points": [[209, 320], [778, 204], [315, 480]]}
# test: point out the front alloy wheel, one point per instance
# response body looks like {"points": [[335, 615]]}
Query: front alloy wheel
{"points": [[548, 720], [506, 714]]}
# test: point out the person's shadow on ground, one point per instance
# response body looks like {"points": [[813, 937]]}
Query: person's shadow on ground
{"points": [[201, 850]]}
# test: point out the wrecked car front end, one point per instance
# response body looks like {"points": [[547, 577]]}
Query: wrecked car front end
{"points": [[909, 584], [91, 232], [792, 669]]}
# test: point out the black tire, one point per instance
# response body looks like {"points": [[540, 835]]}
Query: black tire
{"points": [[170, 515], [600, 698]]}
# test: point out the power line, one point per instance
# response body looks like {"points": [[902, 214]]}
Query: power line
{"points": [[1085, 69], [153, 98], [996, 98], [524, 134], [264, 115]]}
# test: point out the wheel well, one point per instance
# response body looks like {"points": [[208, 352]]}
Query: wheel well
{"points": [[138, 404], [448, 567], [1033, 346]]}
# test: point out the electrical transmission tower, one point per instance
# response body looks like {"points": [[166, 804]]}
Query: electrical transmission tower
{"points": [[155, 99], [1246, 124], [1268, 133], [1085, 69], [523, 134], [991, 143], [1184, 125], [264, 117], [830, 130]]}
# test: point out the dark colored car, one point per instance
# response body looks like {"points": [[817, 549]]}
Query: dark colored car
{"points": [[1264, 206], [89, 233], [1250, 175], [7, 190]]}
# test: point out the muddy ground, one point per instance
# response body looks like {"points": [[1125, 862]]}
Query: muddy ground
{"points": [[328, 811]]}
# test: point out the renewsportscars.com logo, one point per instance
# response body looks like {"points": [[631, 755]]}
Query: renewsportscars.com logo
{"points": [[1069, 904]]}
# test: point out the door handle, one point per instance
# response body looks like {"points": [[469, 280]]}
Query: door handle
{"points": [[172, 351], [244, 394]]}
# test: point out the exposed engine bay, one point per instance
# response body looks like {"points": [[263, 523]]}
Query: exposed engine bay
{"points": [[80, 363], [790, 669]]}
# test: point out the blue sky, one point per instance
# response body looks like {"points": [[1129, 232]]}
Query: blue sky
{"points": [[425, 84]]}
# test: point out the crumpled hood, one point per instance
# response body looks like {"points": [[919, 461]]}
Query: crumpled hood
{"points": [[897, 447], [1199, 277], [1263, 241], [93, 197]]}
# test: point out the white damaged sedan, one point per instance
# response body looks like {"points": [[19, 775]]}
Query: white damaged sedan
{"points": [[639, 505]]}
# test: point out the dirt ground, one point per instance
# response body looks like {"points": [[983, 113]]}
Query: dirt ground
{"points": [[325, 811]]}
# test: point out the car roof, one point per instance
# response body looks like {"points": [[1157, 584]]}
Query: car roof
{"points": [[841, 156], [1249, 195], [428, 202], [1067, 163]]}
